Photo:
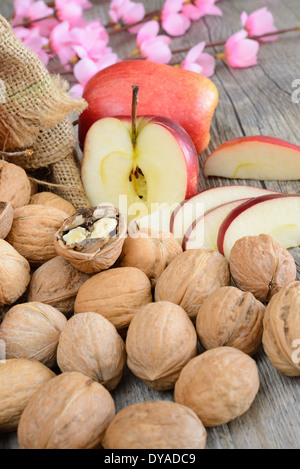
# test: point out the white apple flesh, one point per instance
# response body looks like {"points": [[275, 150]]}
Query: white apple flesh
{"points": [[277, 215], [190, 210], [204, 231], [162, 166], [257, 157]]}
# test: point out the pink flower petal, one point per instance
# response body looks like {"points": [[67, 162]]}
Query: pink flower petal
{"points": [[76, 91], [241, 52], [261, 22], [193, 67], [84, 70], [194, 52], [207, 63], [134, 14], [176, 24], [156, 51], [148, 31], [191, 11]]}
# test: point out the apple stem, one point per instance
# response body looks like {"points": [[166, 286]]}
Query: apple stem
{"points": [[135, 92]]}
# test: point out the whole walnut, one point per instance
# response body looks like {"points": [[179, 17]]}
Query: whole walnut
{"points": [[161, 339], [56, 283], [71, 411], [14, 274], [32, 330], [231, 317], [155, 425], [149, 251], [219, 385], [15, 185], [6, 218], [281, 336], [191, 277], [116, 294], [32, 232], [19, 380], [260, 265], [52, 200], [89, 343]]}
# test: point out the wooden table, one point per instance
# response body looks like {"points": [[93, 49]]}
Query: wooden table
{"points": [[253, 101]]}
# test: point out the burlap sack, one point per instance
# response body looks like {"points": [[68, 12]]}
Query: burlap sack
{"points": [[34, 108]]}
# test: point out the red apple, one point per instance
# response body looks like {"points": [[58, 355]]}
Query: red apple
{"points": [[182, 96], [189, 210], [277, 215], [257, 157], [162, 166]]}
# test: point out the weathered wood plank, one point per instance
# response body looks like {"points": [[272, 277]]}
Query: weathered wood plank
{"points": [[253, 101]]}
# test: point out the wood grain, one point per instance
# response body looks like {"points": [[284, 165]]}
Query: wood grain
{"points": [[253, 101]]}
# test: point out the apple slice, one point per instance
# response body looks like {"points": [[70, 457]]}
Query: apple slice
{"points": [[257, 157], [204, 231], [189, 210], [277, 215], [161, 167]]}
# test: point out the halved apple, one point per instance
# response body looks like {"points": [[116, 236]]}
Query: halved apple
{"points": [[161, 167], [257, 157], [190, 210], [277, 215], [204, 231]]}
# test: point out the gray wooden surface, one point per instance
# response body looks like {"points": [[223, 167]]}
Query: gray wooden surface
{"points": [[253, 101]]}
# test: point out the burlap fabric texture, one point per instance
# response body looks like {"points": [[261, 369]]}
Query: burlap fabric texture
{"points": [[34, 109]]}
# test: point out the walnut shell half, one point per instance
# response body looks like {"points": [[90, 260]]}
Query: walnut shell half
{"points": [[281, 336], [92, 238], [56, 283], [191, 277], [260, 265], [231, 317], [161, 339], [219, 385], [71, 411], [155, 425]]}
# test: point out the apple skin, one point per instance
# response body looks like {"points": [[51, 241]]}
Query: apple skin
{"points": [[262, 139], [186, 144], [183, 96], [239, 209]]}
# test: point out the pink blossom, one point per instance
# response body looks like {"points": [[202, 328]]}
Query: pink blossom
{"points": [[259, 22], [152, 46], [198, 61], [240, 52], [126, 11], [69, 10], [89, 41], [174, 21], [200, 9], [32, 39], [86, 69], [29, 10], [61, 42]]}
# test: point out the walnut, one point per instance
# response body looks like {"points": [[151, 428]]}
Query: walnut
{"points": [[92, 238], [19, 380], [161, 339], [32, 232], [281, 336], [219, 385], [14, 274], [149, 251], [260, 265], [231, 317], [191, 277], [6, 218], [52, 200], [56, 283], [32, 330], [155, 425], [71, 411], [15, 186], [90, 344], [116, 294]]}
